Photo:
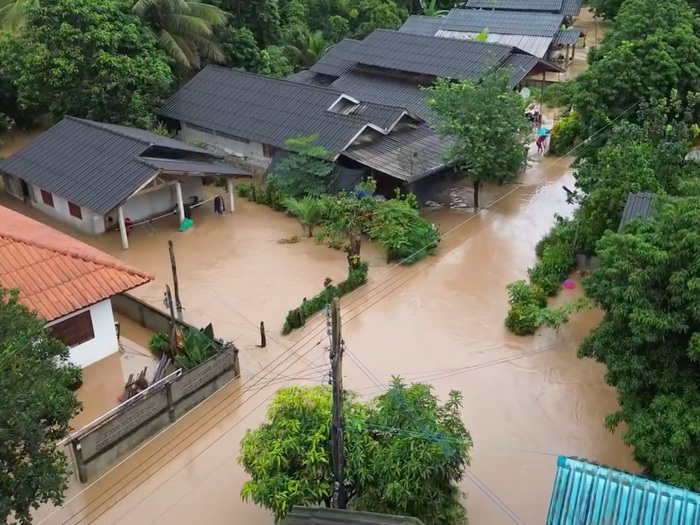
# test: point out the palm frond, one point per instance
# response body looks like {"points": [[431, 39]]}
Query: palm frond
{"points": [[209, 49], [176, 48], [211, 14], [141, 7], [186, 25], [12, 14]]}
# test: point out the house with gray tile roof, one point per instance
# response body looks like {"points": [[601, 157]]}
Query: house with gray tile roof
{"points": [[252, 116], [568, 8], [541, 34], [390, 67], [94, 176]]}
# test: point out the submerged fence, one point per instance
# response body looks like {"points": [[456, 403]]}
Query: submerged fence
{"points": [[104, 441]]}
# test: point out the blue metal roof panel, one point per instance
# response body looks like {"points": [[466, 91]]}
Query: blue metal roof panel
{"points": [[589, 494]]}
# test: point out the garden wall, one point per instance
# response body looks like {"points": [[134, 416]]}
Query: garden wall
{"points": [[109, 438]]}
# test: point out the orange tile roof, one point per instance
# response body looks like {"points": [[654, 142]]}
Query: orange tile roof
{"points": [[55, 273]]}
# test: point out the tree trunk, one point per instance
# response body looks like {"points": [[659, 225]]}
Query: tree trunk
{"points": [[311, 231], [477, 185]]}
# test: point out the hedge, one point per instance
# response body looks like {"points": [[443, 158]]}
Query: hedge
{"points": [[357, 276]]}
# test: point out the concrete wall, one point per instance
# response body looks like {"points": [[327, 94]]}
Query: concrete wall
{"points": [[250, 153], [105, 341], [97, 448], [157, 201], [144, 314], [91, 223]]}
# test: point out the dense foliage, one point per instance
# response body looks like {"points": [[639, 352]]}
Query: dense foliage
{"points": [[35, 413], [406, 453], [305, 171], [647, 284], [486, 127], [85, 58]]}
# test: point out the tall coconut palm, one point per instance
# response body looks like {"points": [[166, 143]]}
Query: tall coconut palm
{"points": [[309, 212], [11, 14], [307, 48], [184, 29]]}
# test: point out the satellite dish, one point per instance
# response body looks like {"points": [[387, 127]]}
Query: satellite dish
{"points": [[525, 93]]}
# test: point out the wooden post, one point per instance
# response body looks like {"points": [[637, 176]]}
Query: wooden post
{"points": [[338, 446], [122, 228], [231, 203], [173, 326], [263, 338], [173, 267]]}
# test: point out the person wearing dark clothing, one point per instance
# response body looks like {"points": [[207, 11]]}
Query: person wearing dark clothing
{"points": [[219, 206], [128, 225]]}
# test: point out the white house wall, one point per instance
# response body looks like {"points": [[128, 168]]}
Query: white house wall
{"points": [[91, 223], [105, 341], [250, 153], [157, 201]]}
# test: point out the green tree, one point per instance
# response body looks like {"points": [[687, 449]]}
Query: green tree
{"points": [[262, 17], [347, 216], [307, 48], [306, 170], [184, 29], [275, 63], [308, 210], [486, 125], [391, 445], [653, 53], [649, 339], [35, 413], [607, 9], [86, 58], [240, 49], [371, 15], [429, 8], [11, 14]]}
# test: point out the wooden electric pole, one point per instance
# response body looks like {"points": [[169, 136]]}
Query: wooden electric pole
{"points": [[338, 446], [173, 326], [173, 267]]}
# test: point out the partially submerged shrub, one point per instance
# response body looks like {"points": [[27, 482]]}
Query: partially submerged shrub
{"points": [[159, 344], [552, 269], [244, 190]]}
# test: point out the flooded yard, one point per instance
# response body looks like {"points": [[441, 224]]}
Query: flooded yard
{"points": [[440, 321]]}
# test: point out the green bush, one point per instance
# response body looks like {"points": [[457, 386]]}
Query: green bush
{"points": [[553, 268], [565, 134], [159, 344], [272, 194], [357, 276], [524, 318], [244, 190], [197, 349], [561, 232]]}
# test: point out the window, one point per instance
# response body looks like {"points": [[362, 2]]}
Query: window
{"points": [[269, 151], [47, 198], [75, 210], [74, 330], [233, 137]]}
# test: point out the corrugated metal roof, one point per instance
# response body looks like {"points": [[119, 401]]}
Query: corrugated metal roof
{"points": [[638, 205], [589, 494], [522, 65], [324, 516], [551, 6], [503, 22], [440, 57], [55, 273], [91, 164], [422, 25], [408, 155], [338, 59], [535, 45], [571, 8], [188, 166], [270, 111], [566, 36]]}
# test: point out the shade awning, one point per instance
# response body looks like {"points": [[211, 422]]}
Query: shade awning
{"points": [[189, 167], [566, 37]]}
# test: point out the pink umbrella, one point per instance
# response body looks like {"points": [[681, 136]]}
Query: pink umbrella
{"points": [[569, 284]]}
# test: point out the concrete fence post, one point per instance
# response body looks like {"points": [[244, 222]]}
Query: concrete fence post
{"points": [[169, 400], [79, 462]]}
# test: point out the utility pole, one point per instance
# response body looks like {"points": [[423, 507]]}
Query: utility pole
{"points": [[173, 267], [337, 438]]}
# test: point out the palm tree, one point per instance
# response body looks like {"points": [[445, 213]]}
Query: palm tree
{"points": [[307, 48], [309, 212], [429, 9], [183, 28], [11, 15]]}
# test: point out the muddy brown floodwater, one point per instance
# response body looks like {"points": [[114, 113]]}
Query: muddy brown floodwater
{"points": [[526, 399]]}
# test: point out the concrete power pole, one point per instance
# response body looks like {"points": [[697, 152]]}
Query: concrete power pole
{"points": [[337, 438]]}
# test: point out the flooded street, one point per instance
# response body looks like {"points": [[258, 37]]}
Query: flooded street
{"points": [[440, 321]]}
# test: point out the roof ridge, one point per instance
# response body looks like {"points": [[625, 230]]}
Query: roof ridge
{"points": [[110, 262], [106, 126]]}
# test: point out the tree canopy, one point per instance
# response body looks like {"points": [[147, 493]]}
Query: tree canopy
{"points": [[486, 126], [405, 453], [649, 338], [86, 58], [37, 405]]}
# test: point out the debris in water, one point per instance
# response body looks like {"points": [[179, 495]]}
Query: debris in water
{"points": [[291, 240]]}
